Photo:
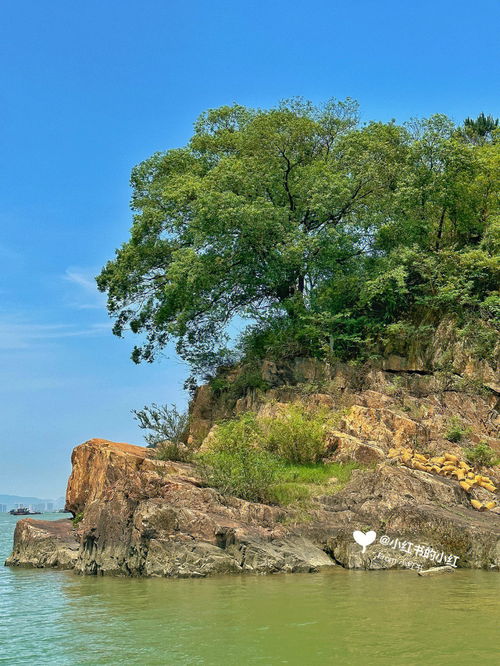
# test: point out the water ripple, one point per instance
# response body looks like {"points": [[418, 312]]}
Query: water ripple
{"points": [[341, 617]]}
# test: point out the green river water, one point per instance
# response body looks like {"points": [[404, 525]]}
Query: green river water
{"points": [[336, 617]]}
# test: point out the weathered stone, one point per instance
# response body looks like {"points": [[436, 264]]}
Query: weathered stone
{"points": [[202, 414], [149, 517], [342, 448], [44, 543], [435, 571], [297, 371], [442, 349], [145, 517], [383, 426], [208, 441], [417, 407], [411, 506]]}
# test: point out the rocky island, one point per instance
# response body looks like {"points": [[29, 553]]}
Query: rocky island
{"points": [[353, 420], [138, 516]]}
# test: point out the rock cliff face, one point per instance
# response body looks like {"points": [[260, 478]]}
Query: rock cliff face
{"points": [[445, 348], [44, 543], [142, 517], [138, 516], [145, 517], [414, 382]]}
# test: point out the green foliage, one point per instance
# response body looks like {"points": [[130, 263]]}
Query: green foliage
{"points": [[241, 470], [481, 339], [481, 454], [273, 460], [479, 130], [243, 429], [77, 519], [173, 451], [166, 424], [248, 379], [316, 230], [297, 434], [220, 385], [258, 476], [456, 431]]}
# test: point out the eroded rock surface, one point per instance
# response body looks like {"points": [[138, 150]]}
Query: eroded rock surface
{"points": [[151, 518], [44, 543], [145, 517]]}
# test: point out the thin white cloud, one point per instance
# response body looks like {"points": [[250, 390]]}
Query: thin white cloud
{"points": [[20, 330], [81, 278], [85, 296], [88, 306], [25, 335]]}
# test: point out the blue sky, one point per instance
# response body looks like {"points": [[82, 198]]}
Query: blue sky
{"points": [[88, 90]]}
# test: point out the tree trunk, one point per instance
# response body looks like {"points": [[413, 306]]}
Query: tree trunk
{"points": [[440, 230]]}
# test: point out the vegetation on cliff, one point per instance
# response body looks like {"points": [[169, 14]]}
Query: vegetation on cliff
{"points": [[325, 234], [277, 459], [162, 423], [319, 237], [482, 455]]}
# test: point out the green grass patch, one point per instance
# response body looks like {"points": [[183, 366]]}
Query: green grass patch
{"points": [[481, 454], [274, 460], [259, 476], [300, 483], [318, 473], [456, 431], [290, 493]]}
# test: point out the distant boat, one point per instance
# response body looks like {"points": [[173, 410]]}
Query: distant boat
{"points": [[23, 511]]}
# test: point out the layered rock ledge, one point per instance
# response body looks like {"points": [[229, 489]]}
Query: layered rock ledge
{"points": [[143, 517]]}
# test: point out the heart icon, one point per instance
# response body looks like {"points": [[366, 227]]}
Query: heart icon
{"points": [[364, 539]]}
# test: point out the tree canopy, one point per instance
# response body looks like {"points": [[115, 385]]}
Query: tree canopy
{"points": [[315, 229]]}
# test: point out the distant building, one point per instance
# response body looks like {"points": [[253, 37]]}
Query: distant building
{"points": [[3, 508], [50, 506]]}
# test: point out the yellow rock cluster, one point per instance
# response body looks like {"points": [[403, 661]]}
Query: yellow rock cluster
{"points": [[447, 465]]}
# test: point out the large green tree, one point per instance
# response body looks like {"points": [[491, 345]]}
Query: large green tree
{"points": [[315, 228]]}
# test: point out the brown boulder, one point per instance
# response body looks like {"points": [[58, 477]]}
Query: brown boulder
{"points": [[384, 426], [44, 543], [142, 516], [342, 448]]}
